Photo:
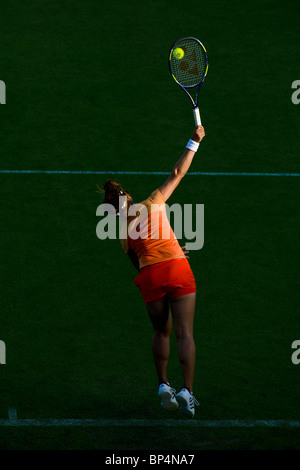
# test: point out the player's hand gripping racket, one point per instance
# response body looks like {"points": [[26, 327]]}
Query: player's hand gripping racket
{"points": [[188, 66]]}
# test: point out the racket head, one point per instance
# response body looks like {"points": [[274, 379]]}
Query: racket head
{"points": [[190, 70]]}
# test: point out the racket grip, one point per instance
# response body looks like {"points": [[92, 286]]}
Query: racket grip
{"points": [[197, 117]]}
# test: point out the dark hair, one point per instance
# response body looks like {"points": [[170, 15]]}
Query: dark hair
{"points": [[112, 191]]}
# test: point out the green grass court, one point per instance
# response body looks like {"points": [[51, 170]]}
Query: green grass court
{"points": [[88, 89]]}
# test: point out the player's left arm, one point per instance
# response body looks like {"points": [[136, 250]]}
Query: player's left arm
{"points": [[134, 259], [182, 166]]}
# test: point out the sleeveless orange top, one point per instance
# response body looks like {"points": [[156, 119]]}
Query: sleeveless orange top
{"points": [[149, 233]]}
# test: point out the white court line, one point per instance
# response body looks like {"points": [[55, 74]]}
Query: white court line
{"points": [[101, 422], [189, 173]]}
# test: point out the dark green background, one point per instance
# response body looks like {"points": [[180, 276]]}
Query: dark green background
{"points": [[88, 89]]}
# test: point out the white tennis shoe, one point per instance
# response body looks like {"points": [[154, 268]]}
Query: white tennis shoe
{"points": [[167, 397], [187, 402]]}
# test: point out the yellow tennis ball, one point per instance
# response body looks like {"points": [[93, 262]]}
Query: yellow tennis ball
{"points": [[178, 53]]}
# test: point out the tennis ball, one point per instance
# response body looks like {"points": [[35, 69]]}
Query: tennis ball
{"points": [[178, 53]]}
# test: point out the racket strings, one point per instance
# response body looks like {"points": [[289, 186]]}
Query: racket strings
{"points": [[190, 69]]}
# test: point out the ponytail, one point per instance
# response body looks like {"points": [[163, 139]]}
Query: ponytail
{"points": [[112, 191]]}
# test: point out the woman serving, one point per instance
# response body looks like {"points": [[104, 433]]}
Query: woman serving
{"points": [[165, 278]]}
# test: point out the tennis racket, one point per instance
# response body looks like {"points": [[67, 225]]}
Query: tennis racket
{"points": [[188, 65]]}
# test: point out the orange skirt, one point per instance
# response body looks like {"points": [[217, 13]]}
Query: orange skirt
{"points": [[173, 277]]}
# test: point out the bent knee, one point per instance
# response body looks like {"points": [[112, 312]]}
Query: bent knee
{"points": [[181, 333], [165, 333]]}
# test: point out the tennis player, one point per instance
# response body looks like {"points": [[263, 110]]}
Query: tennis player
{"points": [[165, 279]]}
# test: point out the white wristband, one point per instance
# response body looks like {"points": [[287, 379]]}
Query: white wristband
{"points": [[192, 145]]}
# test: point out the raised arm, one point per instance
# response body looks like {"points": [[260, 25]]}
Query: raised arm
{"points": [[182, 166]]}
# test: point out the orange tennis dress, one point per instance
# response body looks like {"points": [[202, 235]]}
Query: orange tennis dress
{"points": [[164, 267]]}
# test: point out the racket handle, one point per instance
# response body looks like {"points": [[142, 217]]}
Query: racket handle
{"points": [[197, 117]]}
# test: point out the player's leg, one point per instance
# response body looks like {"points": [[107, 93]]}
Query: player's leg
{"points": [[162, 324], [183, 310]]}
